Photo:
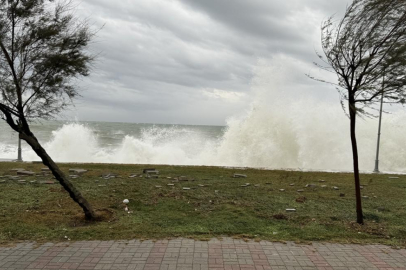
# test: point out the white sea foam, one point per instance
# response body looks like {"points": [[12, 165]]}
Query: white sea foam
{"points": [[287, 126]]}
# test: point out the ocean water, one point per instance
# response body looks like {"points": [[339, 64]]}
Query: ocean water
{"points": [[286, 126]]}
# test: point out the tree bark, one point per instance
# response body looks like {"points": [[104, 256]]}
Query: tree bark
{"points": [[353, 116], [74, 193]]}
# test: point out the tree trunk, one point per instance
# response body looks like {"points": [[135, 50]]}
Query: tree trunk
{"points": [[59, 175], [353, 116]]}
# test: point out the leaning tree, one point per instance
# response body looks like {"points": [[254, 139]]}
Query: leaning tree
{"points": [[42, 51], [366, 49]]}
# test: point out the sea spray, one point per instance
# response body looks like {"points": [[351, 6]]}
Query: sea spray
{"points": [[289, 125]]}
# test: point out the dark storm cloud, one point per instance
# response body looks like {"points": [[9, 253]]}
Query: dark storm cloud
{"points": [[190, 61]]}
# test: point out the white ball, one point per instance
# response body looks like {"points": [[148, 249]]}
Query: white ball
{"points": [[126, 201]]}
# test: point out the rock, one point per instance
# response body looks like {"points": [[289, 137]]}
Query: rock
{"points": [[47, 182], [335, 188], [126, 201], [133, 175], [237, 175], [17, 169], [244, 185], [342, 195], [323, 186], [282, 190], [186, 188], [311, 185], [29, 173], [291, 184], [78, 171], [301, 199], [300, 190], [150, 171], [290, 210]]}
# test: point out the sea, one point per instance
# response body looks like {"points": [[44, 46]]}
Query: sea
{"points": [[249, 142]]}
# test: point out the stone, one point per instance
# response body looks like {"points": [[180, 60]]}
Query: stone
{"points": [[78, 171], [300, 190], [17, 169], [150, 171], [29, 173], [237, 175], [244, 185], [311, 185], [132, 176], [291, 184], [47, 182], [335, 188], [323, 186], [186, 188], [290, 210], [282, 189]]}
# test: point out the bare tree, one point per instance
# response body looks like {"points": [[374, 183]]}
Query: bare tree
{"points": [[366, 49], [42, 51]]}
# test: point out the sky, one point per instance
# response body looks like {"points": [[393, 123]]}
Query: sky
{"points": [[192, 61]]}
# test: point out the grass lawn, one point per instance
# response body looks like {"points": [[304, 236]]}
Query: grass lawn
{"points": [[45, 212]]}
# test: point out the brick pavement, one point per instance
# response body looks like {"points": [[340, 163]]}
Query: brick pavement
{"points": [[185, 254]]}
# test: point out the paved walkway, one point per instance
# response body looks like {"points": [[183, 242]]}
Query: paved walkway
{"points": [[199, 255]]}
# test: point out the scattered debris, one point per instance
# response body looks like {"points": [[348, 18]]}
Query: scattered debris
{"points": [[186, 188], [237, 175], [335, 188], [77, 171], [290, 210], [47, 182], [25, 173], [292, 184], [311, 185], [301, 199], [281, 189]]}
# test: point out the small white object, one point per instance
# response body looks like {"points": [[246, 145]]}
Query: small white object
{"points": [[126, 201], [281, 190], [126, 209], [290, 210]]}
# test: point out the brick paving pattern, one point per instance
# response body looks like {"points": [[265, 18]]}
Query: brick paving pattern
{"points": [[186, 254]]}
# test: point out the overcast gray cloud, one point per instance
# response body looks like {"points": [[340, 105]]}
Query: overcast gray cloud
{"points": [[190, 61]]}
